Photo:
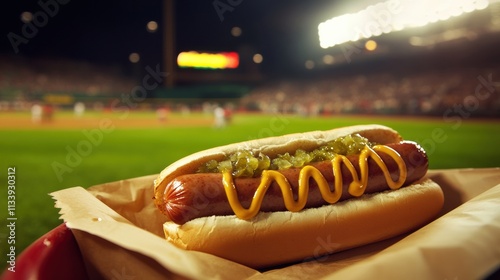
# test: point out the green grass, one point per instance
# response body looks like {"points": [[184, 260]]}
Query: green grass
{"points": [[131, 152]]}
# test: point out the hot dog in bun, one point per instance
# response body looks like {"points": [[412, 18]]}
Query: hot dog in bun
{"points": [[275, 200]]}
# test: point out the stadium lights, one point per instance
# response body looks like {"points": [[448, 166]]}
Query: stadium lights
{"points": [[152, 26], [26, 17], [236, 31], [370, 45], [134, 57], [390, 16], [257, 58]]}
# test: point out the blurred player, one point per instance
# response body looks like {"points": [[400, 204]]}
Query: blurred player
{"points": [[47, 113], [79, 109], [161, 114], [228, 114], [36, 113], [220, 117]]}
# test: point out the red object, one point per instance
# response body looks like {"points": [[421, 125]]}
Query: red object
{"points": [[55, 255]]}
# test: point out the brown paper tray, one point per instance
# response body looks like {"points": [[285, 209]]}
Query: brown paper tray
{"points": [[119, 233]]}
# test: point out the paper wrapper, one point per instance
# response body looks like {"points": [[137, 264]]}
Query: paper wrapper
{"points": [[119, 232]]}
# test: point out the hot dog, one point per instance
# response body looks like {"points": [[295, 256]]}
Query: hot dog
{"points": [[250, 220], [184, 201]]}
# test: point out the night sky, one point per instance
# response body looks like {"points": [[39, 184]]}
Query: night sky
{"points": [[108, 31]]}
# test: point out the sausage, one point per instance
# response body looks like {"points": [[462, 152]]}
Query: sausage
{"points": [[202, 194]]}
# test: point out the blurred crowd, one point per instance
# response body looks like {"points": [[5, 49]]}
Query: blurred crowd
{"points": [[470, 91], [27, 77], [427, 93]]}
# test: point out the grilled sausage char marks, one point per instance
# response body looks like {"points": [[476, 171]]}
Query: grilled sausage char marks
{"points": [[202, 194]]}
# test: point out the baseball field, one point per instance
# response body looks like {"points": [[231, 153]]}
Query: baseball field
{"points": [[39, 158]]}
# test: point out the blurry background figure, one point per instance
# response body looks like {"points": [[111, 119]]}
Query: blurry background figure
{"points": [[36, 113], [185, 110], [47, 113], [228, 114], [161, 114], [220, 117], [79, 109]]}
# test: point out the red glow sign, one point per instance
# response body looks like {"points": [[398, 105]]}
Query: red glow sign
{"points": [[224, 60]]}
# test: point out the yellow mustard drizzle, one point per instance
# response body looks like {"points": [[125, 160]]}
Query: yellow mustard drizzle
{"points": [[356, 187]]}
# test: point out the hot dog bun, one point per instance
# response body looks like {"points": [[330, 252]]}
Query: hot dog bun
{"points": [[280, 237], [283, 237]]}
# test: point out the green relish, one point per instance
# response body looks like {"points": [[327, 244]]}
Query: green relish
{"points": [[244, 163]]}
